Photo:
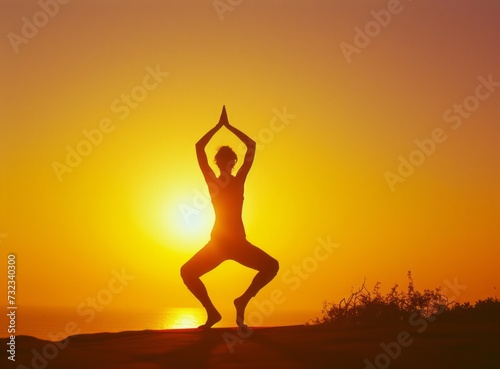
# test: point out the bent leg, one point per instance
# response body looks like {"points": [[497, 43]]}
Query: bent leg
{"points": [[202, 262], [267, 267]]}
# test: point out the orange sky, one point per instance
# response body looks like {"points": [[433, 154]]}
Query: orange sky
{"points": [[320, 172]]}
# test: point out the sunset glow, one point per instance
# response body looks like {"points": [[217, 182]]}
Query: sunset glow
{"points": [[390, 152]]}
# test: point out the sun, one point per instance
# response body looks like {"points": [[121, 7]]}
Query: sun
{"points": [[188, 223], [180, 220]]}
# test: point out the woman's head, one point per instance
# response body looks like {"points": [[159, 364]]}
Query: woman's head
{"points": [[225, 158]]}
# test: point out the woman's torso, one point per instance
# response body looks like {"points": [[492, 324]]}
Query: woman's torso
{"points": [[227, 200]]}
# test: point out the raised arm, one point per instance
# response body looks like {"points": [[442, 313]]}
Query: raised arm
{"points": [[208, 173], [249, 143]]}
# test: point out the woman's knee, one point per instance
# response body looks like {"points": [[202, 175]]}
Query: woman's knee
{"points": [[186, 273], [273, 267]]}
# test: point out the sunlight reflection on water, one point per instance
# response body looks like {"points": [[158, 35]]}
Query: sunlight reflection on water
{"points": [[183, 318]]}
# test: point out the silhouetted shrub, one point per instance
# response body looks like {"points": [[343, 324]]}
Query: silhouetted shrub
{"points": [[487, 310], [369, 307]]}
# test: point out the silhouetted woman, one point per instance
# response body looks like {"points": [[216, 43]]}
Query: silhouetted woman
{"points": [[228, 239]]}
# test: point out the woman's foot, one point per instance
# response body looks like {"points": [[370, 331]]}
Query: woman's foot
{"points": [[213, 316], [240, 303]]}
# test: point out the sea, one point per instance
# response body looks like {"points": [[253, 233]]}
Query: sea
{"points": [[55, 324]]}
